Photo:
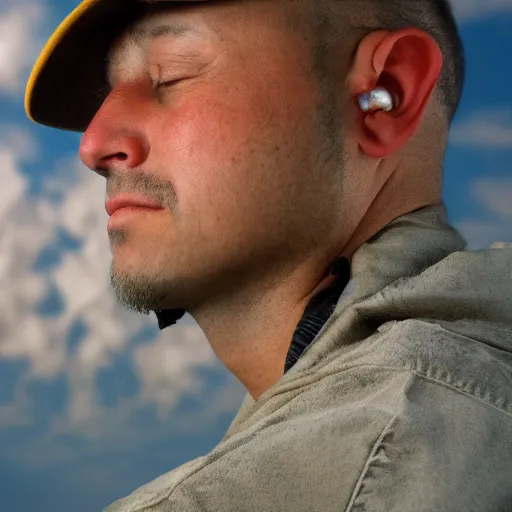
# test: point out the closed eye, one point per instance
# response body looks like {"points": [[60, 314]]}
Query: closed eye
{"points": [[167, 83]]}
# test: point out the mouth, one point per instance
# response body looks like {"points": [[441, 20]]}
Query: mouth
{"points": [[121, 218], [130, 202]]}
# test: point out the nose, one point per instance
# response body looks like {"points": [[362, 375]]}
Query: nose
{"points": [[113, 137]]}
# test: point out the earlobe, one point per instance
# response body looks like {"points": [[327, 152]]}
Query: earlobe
{"points": [[407, 64]]}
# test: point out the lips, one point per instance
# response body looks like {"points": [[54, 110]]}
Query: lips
{"points": [[118, 202]]}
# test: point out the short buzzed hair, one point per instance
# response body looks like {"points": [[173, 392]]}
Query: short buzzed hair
{"points": [[330, 19]]}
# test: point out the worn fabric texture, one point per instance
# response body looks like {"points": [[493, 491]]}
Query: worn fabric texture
{"points": [[402, 403]]}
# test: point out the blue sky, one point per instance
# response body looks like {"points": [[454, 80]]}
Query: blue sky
{"points": [[94, 400]]}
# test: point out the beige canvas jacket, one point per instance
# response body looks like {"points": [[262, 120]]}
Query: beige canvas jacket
{"points": [[402, 403]]}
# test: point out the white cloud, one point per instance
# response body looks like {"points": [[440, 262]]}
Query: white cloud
{"points": [[20, 42], [496, 196], [16, 184], [22, 145], [481, 234], [471, 9], [490, 129], [18, 413], [110, 430], [167, 369], [23, 234]]}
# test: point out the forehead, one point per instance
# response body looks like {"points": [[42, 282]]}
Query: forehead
{"points": [[131, 48], [164, 22]]}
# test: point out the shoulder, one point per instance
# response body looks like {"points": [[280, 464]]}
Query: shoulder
{"points": [[447, 398], [442, 450]]}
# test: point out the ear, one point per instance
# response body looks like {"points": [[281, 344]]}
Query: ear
{"points": [[408, 64]]}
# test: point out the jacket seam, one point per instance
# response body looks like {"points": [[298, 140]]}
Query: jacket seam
{"points": [[505, 406], [369, 461], [503, 410], [505, 402]]}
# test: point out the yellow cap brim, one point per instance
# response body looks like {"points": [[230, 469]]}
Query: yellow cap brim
{"points": [[68, 82]]}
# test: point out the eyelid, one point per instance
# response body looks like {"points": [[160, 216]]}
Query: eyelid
{"points": [[160, 78], [166, 83], [175, 74]]}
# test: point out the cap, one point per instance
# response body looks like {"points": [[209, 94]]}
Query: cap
{"points": [[68, 82]]}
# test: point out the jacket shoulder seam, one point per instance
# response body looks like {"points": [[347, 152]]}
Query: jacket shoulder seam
{"points": [[377, 453], [372, 457], [472, 390]]}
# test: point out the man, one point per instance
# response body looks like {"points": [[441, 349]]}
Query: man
{"points": [[274, 168]]}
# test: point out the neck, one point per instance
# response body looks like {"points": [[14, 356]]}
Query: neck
{"points": [[404, 188], [251, 330]]}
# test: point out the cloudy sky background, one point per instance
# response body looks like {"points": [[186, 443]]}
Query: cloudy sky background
{"points": [[94, 400]]}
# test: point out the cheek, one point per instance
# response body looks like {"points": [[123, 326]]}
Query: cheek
{"points": [[203, 146], [207, 134], [216, 125], [221, 150]]}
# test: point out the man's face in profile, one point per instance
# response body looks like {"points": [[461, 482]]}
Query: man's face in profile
{"points": [[214, 115]]}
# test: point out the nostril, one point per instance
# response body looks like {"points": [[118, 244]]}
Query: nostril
{"points": [[120, 157], [104, 168], [117, 156]]}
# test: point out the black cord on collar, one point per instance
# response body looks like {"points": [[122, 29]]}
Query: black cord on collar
{"points": [[317, 312]]}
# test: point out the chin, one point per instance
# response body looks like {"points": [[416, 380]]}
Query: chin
{"points": [[137, 291]]}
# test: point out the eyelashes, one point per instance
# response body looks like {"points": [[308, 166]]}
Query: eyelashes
{"points": [[101, 93], [166, 84]]}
